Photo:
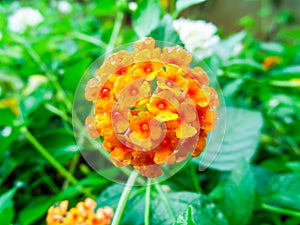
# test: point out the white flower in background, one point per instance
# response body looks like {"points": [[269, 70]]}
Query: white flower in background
{"points": [[64, 7], [198, 36], [132, 6], [23, 18]]}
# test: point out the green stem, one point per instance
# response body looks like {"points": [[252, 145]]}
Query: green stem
{"points": [[51, 76], [73, 165], [48, 180], [124, 198], [147, 202], [194, 177], [95, 41], [53, 161], [48, 156], [166, 201], [115, 31], [280, 210]]}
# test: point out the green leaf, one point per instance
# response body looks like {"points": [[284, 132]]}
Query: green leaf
{"points": [[225, 49], [186, 218], [184, 4], [207, 211], [235, 197], [7, 117], [240, 140], [146, 17], [272, 47], [73, 74], [243, 64], [104, 8], [93, 180], [287, 72], [110, 196], [7, 210], [284, 191], [135, 206], [60, 144], [6, 168], [294, 166], [33, 101], [7, 136], [165, 31], [35, 209]]}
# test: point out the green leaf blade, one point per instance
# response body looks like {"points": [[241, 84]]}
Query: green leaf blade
{"points": [[7, 211], [184, 4], [206, 212], [186, 218], [240, 141], [236, 196], [146, 18]]}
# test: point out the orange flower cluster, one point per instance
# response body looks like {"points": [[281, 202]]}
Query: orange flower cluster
{"points": [[151, 108], [271, 61], [83, 214]]}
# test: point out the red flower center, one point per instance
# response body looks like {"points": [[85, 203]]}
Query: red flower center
{"points": [[104, 93]]}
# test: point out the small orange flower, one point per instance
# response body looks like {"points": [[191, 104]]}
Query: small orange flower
{"points": [[140, 125], [271, 61], [91, 127], [120, 119], [147, 70], [106, 90], [103, 124], [113, 63], [134, 92], [176, 55], [163, 105], [163, 153], [197, 94], [122, 155], [199, 75], [142, 158], [92, 89], [171, 78], [151, 171]]}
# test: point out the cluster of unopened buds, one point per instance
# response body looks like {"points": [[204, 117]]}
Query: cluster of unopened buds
{"points": [[83, 214], [151, 107]]}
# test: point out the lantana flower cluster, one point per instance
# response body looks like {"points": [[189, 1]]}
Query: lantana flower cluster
{"points": [[151, 108], [83, 214]]}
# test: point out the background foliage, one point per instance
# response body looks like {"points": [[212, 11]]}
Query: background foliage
{"points": [[254, 179]]}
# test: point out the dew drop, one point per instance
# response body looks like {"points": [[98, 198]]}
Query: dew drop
{"points": [[161, 106], [145, 127]]}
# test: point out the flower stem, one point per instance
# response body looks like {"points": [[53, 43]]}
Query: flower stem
{"points": [[48, 156], [124, 198], [166, 201], [38, 146], [50, 75], [115, 31], [147, 202], [280, 210], [194, 177], [90, 39]]}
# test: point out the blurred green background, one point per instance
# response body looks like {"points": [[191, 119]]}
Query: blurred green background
{"points": [[45, 48]]}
